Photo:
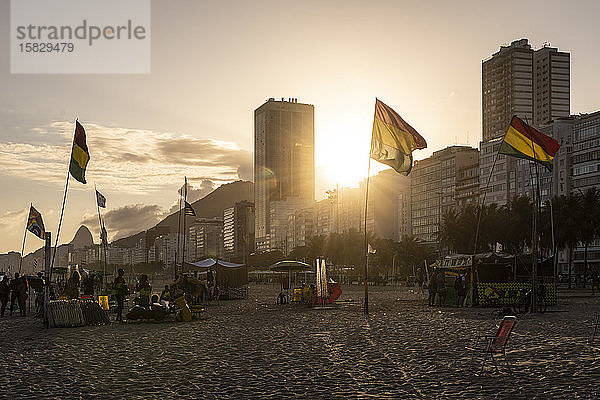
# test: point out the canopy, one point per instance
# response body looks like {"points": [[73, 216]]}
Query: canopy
{"points": [[291, 266], [210, 263], [228, 274]]}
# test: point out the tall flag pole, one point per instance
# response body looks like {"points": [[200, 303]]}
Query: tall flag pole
{"points": [[523, 141], [101, 202], [185, 213], [179, 193], [392, 142], [80, 157]]}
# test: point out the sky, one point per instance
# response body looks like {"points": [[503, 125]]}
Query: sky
{"points": [[213, 63]]}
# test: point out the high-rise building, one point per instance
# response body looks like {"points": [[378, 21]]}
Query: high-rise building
{"points": [[205, 239], [284, 137], [382, 209], [434, 187], [532, 84], [238, 231]]}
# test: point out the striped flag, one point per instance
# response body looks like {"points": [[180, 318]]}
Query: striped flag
{"points": [[524, 141], [100, 199], [188, 210], [79, 154], [393, 140], [35, 224]]}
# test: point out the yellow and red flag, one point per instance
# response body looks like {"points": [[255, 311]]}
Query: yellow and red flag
{"points": [[79, 154], [394, 140], [524, 141]]}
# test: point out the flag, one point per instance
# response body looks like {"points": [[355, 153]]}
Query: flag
{"points": [[371, 249], [524, 141], [79, 154], [188, 210], [35, 224], [100, 199], [35, 264], [393, 140]]}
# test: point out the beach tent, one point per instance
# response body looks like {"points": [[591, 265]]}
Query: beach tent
{"points": [[228, 275]]}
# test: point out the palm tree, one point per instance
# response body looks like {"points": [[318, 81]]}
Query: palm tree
{"points": [[566, 222], [448, 232], [588, 221]]}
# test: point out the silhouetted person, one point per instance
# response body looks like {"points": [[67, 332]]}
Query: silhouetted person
{"points": [[4, 294], [595, 282], [460, 288], [72, 288], [144, 288], [120, 290], [18, 288], [432, 288], [441, 287]]}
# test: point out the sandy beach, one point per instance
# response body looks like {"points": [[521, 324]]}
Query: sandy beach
{"points": [[255, 349]]}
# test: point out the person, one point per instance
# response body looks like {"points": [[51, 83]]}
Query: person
{"points": [[420, 279], [432, 287], [120, 290], [18, 289], [166, 294], [88, 285], [459, 288], [595, 281], [4, 293], [281, 299], [441, 287], [144, 288], [39, 294], [72, 288]]}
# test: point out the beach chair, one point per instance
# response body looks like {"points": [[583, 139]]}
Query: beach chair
{"points": [[493, 346]]}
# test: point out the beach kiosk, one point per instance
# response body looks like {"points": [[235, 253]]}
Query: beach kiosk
{"points": [[230, 278], [495, 279]]}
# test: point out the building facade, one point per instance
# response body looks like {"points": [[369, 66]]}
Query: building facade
{"points": [[238, 231], [283, 160], [532, 84], [433, 188]]}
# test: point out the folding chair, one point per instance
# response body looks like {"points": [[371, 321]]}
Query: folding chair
{"points": [[490, 346]]}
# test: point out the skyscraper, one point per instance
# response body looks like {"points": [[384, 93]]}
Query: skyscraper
{"points": [[532, 84], [284, 161]]}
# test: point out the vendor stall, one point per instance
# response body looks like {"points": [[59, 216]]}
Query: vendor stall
{"points": [[495, 279]]}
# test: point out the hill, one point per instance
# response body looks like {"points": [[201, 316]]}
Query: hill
{"points": [[211, 205]]}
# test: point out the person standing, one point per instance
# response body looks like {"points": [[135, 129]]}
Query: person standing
{"points": [[432, 287], [72, 289], [15, 291], [459, 288], [120, 291], [441, 288], [144, 288], [4, 294]]}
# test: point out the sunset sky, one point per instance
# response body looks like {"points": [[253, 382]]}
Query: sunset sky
{"points": [[214, 62]]}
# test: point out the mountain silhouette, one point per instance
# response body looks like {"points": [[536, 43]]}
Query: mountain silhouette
{"points": [[210, 206]]}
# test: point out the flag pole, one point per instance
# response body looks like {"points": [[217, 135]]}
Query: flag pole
{"points": [[101, 239], [366, 237], [178, 234], [184, 218], [536, 199], [62, 211], [482, 203], [24, 237]]}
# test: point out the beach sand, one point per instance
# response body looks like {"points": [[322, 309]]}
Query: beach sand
{"points": [[255, 349]]}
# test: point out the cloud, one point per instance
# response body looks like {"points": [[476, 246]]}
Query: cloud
{"points": [[194, 192], [124, 221], [10, 219], [128, 160]]}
